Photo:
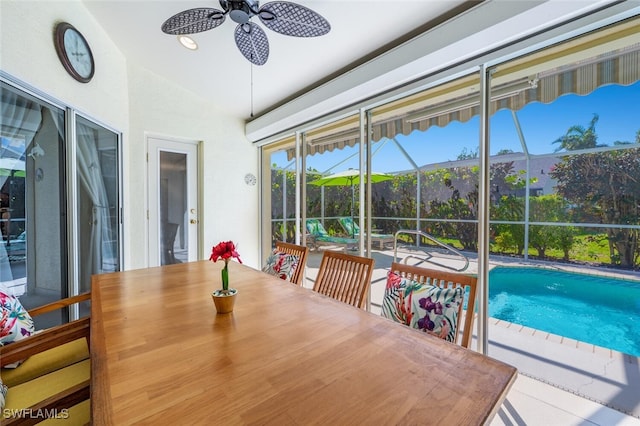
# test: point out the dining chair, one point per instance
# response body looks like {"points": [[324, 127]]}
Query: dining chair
{"points": [[344, 277], [54, 369], [295, 250], [414, 293]]}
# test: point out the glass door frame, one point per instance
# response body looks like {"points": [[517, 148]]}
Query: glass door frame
{"points": [[73, 234]]}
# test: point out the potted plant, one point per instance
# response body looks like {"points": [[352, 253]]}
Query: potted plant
{"points": [[224, 298]]}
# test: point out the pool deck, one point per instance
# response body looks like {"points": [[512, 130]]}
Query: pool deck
{"points": [[605, 377]]}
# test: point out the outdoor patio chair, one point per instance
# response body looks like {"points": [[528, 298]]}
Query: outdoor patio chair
{"points": [[54, 371], [352, 229], [431, 301], [344, 277], [287, 262], [319, 236]]}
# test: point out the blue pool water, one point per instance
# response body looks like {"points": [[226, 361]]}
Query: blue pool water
{"points": [[597, 310]]}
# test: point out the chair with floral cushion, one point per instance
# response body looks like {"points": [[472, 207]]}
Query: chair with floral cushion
{"points": [[287, 261], [344, 277], [54, 371], [431, 301]]}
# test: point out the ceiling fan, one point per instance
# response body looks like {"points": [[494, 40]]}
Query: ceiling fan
{"points": [[280, 16]]}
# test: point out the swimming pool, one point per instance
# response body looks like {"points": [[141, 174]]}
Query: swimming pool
{"points": [[598, 310]]}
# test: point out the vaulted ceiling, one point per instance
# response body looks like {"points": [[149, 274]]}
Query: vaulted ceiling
{"points": [[360, 29]]}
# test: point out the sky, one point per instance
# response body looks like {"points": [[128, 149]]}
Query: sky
{"points": [[619, 120]]}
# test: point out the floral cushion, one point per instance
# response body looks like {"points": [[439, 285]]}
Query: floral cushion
{"points": [[423, 306], [282, 265], [15, 321]]}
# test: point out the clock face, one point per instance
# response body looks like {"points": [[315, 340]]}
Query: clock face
{"points": [[250, 179], [74, 52]]}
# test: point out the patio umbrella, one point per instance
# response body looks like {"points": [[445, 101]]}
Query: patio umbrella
{"points": [[12, 167], [349, 177]]}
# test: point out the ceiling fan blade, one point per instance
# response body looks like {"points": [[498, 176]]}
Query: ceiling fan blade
{"points": [[193, 21], [293, 19], [252, 42]]}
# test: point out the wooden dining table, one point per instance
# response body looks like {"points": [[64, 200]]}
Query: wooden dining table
{"points": [[286, 355]]}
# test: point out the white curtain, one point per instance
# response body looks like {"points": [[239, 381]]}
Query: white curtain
{"points": [[100, 254], [19, 119]]}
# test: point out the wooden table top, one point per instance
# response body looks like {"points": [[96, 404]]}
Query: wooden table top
{"points": [[286, 355]]}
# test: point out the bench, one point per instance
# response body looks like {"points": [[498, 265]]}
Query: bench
{"points": [[53, 380]]}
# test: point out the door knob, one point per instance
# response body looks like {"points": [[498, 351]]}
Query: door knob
{"points": [[193, 221]]}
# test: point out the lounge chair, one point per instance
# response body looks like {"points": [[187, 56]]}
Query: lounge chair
{"points": [[319, 236], [352, 228]]}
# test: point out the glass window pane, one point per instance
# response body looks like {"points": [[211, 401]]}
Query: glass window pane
{"points": [[32, 176], [173, 205], [332, 150], [565, 163], [279, 196], [98, 201], [429, 142]]}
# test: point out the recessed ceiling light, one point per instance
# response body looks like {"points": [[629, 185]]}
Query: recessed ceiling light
{"points": [[188, 42]]}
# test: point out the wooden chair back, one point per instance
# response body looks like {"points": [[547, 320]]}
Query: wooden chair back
{"points": [[344, 277], [444, 279], [296, 250]]}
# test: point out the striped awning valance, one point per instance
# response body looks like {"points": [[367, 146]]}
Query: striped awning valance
{"points": [[583, 77]]}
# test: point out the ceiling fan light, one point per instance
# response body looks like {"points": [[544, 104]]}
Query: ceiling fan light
{"points": [[188, 42]]}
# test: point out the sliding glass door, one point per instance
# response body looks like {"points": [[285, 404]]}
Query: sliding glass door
{"points": [[33, 252], [98, 201], [59, 200]]}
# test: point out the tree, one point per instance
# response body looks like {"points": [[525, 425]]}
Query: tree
{"points": [[467, 154], [577, 137], [606, 185], [550, 208]]}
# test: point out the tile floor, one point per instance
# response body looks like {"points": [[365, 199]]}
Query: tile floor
{"points": [[532, 403]]}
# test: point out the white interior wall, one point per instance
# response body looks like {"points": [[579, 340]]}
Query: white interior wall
{"points": [[28, 53], [230, 207], [134, 101]]}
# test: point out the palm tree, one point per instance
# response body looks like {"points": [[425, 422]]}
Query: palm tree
{"points": [[577, 137]]}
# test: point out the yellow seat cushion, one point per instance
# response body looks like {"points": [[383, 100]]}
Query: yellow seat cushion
{"points": [[78, 415], [46, 362], [27, 394]]}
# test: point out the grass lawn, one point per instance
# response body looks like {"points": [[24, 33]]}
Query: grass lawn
{"points": [[591, 248]]}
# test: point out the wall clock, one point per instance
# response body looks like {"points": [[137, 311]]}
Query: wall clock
{"points": [[250, 179], [74, 52]]}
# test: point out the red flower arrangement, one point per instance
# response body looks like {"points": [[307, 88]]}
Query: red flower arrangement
{"points": [[226, 251]]}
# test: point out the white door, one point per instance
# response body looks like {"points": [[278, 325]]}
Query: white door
{"points": [[173, 201]]}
